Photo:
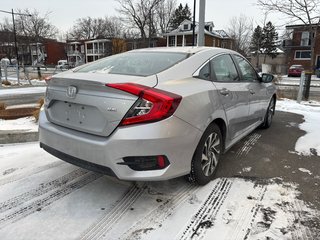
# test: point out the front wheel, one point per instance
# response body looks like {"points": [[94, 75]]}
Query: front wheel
{"points": [[269, 114], [207, 155]]}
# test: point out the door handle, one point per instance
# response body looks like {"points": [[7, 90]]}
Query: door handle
{"points": [[224, 92], [251, 91]]}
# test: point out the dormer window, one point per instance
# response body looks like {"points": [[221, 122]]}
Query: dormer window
{"points": [[186, 26]]}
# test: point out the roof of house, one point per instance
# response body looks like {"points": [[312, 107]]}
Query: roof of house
{"points": [[301, 25], [180, 30]]}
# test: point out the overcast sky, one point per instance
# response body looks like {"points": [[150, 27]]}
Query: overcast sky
{"points": [[64, 13]]}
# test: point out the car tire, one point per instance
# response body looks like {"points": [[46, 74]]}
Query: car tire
{"points": [[207, 155], [269, 114]]}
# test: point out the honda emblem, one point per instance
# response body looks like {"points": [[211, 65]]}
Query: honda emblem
{"points": [[71, 91]]}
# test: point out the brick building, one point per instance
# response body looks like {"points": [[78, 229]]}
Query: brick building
{"points": [[298, 46], [182, 36], [30, 52]]}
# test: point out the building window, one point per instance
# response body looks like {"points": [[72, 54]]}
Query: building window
{"points": [[213, 42], [305, 39], [186, 26], [172, 41], [302, 55]]}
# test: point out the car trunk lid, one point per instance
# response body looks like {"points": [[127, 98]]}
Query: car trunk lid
{"points": [[83, 102]]}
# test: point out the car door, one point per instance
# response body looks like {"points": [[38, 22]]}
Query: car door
{"points": [[257, 91], [234, 95]]}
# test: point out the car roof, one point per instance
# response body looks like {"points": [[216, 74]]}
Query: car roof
{"points": [[189, 50]]}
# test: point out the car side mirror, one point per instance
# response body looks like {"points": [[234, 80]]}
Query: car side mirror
{"points": [[266, 78]]}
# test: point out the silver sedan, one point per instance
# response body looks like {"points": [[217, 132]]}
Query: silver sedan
{"points": [[157, 113]]}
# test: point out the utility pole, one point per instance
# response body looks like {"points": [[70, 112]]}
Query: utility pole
{"points": [[202, 10]]}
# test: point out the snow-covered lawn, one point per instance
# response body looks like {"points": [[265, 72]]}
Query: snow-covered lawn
{"points": [[42, 197]]}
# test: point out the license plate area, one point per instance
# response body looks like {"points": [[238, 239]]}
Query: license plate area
{"points": [[78, 116]]}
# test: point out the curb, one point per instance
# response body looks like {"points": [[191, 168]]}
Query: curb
{"points": [[7, 137]]}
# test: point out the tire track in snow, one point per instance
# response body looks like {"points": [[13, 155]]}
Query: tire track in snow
{"points": [[248, 216], [205, 216], [299, 231], [42, 189], [156, 217], [105, 224], [248, 144], [19, 176], [48, 199]]}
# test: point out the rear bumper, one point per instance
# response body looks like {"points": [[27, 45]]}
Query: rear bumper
{"points": [[171, 137], [78, 162]]}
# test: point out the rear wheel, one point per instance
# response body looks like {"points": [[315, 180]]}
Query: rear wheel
{"points": [[269, 114], [207, 155]]}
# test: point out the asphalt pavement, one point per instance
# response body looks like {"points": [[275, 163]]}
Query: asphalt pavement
{"points": [[270, 153]]}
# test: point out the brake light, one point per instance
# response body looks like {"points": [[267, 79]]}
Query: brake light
{"points": [[153, 104]]}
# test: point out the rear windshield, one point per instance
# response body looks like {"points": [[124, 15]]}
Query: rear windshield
{"points": [[135, 63]]}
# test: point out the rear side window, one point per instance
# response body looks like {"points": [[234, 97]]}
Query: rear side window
{"points": [[135, 63], [205, 72], [247, 71], [224, 69]]}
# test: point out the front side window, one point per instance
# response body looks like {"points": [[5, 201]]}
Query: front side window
{"points": [[135, 63], [223, 69], [247, 71]]}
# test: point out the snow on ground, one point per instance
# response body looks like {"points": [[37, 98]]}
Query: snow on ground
{"points": [[309, 144], [26, 124], [18, 91], [14, 81], [42, 197]]}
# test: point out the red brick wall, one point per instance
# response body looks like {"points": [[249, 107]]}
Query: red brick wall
{"points": [[296, 42], [55, 51]]}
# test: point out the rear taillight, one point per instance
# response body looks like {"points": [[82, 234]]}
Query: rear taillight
{"points": [[153, 104], [48, 79]]}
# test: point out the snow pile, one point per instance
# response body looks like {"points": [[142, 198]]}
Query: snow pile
{"points": [[34, 82], [27, 124], [309, 144]]}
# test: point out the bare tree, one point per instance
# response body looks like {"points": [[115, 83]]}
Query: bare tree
{"points": [[31, 24], [164, 13], [240, 29], [140, 13], [91, 28], [300, 11]]}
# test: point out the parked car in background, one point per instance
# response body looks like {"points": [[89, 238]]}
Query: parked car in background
{"points": [[156, 113], [62, 64], [295, 70]]}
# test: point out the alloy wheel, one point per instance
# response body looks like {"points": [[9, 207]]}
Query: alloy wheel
{"points": [[210, 153]]}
